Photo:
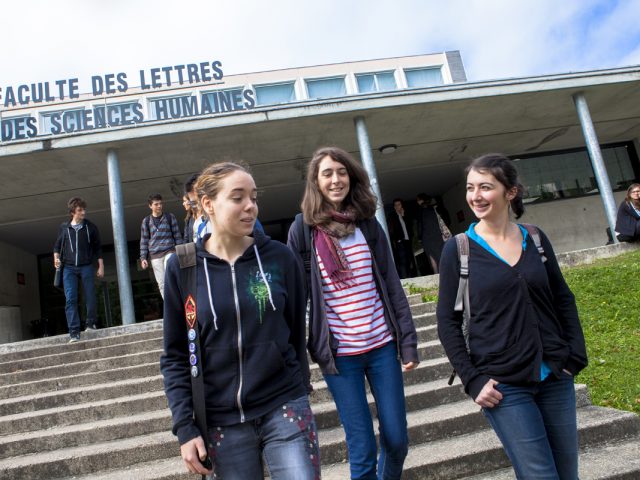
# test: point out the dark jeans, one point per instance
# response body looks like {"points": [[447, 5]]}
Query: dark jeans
{"points": [[71, 275], [381, 368], [286, 437], [537, 427], [403, 258]]}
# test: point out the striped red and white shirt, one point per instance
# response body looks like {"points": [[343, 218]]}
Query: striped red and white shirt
{"points": [[355, 313]]}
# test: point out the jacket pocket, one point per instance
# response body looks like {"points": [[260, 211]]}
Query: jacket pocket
{"points": [[265, 373], [221, 377]]}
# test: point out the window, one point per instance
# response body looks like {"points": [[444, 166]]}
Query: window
{"points": [[376, 82], [57, 126], [326, 88], [569, 174], [423, 77], [277, 93]]}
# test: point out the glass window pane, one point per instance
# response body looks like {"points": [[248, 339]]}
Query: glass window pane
{"points": [[565, 175], [386, 81], [326, 88], [423, 77], [272, 94], [366, 83]]}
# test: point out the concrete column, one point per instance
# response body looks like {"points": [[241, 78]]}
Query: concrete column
{"points": [[369, 166], [120, 239], [593, 146]]}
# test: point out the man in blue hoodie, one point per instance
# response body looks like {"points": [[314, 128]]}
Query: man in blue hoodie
{"points": [[76, 249]]}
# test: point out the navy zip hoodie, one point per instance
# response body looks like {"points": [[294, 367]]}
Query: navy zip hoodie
{"points": [[252, 337], [520, 316], [81, 247]]}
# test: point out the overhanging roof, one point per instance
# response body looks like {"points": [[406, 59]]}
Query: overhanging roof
{"points": [[436, 129]]}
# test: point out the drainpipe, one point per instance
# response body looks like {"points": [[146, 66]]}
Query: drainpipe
{"points": [[120, 239]]}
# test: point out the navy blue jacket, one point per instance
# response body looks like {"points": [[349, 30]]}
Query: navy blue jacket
{"points": [[254, 357], [82, 247], [321, 344], [520, 315], [627, 221]]}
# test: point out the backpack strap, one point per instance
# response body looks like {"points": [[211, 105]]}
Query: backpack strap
{"points": [[535, 234], [462, 297], [186, 253], [304, 248]]}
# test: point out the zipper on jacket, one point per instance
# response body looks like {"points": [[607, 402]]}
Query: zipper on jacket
{"points": [[239, 323]]}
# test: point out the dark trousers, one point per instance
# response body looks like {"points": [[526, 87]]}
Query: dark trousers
{"points": [[403, 258]]}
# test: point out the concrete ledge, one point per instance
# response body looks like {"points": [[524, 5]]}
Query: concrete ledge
{"points": [[567, 259]]}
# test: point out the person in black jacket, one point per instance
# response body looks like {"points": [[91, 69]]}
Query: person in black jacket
{"points": [[249, 307], [360, 323], [76, 249], [524, 343], [401, 234], [628, 219]]}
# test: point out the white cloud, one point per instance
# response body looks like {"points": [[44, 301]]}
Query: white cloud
{"points": [[497, 38]]}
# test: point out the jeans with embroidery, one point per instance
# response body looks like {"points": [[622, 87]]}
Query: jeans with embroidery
{"points": [[537, 427], [382, 369], [286, 437], [71, 275]]}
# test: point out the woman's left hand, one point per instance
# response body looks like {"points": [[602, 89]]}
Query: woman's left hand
{"points": [[409, 366]]}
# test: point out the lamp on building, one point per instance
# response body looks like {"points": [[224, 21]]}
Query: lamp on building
{"points": [[388, 148]]}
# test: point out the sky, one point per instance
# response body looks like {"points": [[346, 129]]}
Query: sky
{"points": [[44, 40]]}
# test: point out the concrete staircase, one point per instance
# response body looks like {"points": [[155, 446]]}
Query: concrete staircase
{"points": [[96, 410]]}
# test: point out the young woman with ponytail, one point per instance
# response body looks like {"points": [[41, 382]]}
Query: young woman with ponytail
{"points": [[525, 342]]}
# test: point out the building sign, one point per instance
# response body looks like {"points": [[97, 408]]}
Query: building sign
{"points": [[100, 116]]}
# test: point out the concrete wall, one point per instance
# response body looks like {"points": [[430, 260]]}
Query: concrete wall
{"points": [[571, 224], [26, 297]]}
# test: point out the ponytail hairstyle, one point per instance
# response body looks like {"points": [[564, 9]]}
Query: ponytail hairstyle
{"points": [[210, 179], [503, 169], [316, 209]]}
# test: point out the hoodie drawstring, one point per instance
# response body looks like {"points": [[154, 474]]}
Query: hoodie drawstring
{"points": [[206, 274], [264, 278]]}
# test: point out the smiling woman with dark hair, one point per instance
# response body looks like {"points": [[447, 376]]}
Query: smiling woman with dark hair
{"points": [[517, 343]]}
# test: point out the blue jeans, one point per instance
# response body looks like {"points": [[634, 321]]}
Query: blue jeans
{"points": [[286, 436], [70, 276], [537, 427], [382, 369]]}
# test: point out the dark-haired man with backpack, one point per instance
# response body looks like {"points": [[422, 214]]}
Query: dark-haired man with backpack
{"points": [[159, 235]]}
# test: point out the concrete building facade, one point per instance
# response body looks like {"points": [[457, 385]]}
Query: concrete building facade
{"points": [[414, 121]]}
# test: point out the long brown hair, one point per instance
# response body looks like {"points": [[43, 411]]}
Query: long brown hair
{"points": [[628, 197], [316, 209]]}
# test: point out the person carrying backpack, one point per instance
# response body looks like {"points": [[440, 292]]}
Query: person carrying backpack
{"points": [[360, 323], [509, 325], [235, 366]]}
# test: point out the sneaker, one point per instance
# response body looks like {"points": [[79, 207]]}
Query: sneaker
{"points": [[74, 338], [90, 327]]}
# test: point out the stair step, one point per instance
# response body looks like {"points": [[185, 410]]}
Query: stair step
{"points": [[90, 339], [481, 451], [611, 461], [132, 346], [76, 380], [92, 366]]}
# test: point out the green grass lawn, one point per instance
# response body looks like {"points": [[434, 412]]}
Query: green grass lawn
{"points": [[608, 297]]}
